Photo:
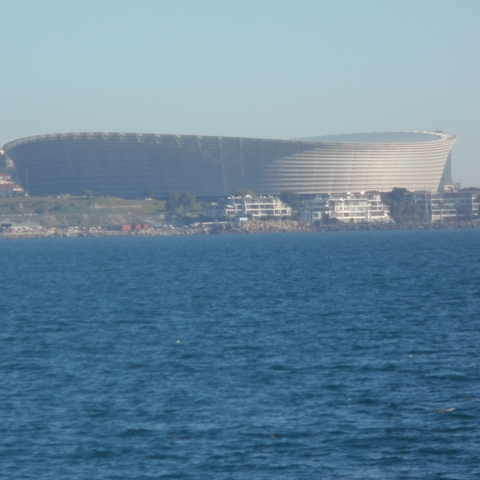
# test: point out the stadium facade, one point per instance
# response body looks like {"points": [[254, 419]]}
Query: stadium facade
{"points": [[128, 164]]}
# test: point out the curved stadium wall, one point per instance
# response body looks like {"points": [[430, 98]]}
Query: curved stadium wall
{"points": [[127, 164]]}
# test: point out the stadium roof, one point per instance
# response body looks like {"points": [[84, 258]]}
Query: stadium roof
{"points": [[125, 164], [380, 137]]}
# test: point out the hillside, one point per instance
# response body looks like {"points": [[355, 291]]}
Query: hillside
{"points": [[81, 211]]}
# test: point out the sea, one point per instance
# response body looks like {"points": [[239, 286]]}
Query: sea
{"points": [[336, 355]]}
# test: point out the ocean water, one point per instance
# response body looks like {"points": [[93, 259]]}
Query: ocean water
{"points": [[342, 355]]}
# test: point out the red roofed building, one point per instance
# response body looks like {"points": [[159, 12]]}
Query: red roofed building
{"points": [[10, 190]]}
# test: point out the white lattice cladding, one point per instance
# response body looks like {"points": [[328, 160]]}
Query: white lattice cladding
{"points": [[354, 167], [126, 164]]}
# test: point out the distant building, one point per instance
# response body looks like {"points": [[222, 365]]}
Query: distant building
{"points": [[129, 227], [346, 207], [448, 205], [21, 227], [128, 164], [8, 190], [250, 206]]}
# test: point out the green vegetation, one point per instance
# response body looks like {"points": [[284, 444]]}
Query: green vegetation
{"points": [[71, 205], [3, 163], [149, 193], [90, 194], [403, 208], [89, 209], [291, 198], [239, 192], [181, 203]]}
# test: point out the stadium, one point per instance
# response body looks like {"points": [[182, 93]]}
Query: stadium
{"points": [[128, 164]]}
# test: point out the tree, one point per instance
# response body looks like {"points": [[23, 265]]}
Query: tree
{"points": [[148, 193], [172, 202], [179, 202], [239, 192], [90, 193], [403, 208], [291, 198], [187, 201]]}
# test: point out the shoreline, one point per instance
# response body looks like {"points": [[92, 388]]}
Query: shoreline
{"points": [[247, 228]]}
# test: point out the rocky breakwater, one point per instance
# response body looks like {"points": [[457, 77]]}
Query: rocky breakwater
{"points": [[344, 227], [226, 228], [261, 226]]}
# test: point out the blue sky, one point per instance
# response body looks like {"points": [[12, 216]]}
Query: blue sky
{"points": [[250, 68]]}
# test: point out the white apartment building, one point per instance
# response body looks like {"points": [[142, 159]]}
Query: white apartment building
{"points": [[251, 206], [448, 205], [346, 207]]}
